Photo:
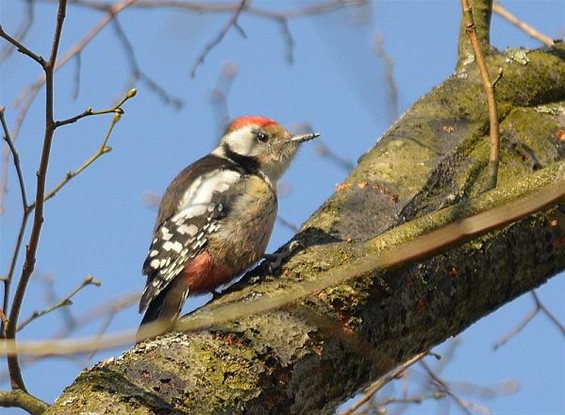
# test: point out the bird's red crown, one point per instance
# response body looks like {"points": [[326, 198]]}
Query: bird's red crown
{"points": [[250, 120]]}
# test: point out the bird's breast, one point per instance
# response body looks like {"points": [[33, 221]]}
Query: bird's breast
{"points": [[243, 235]]}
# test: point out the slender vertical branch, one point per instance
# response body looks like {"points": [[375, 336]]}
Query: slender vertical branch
{"points": [[25, 215], [16, 378], [494, 157], [482, 15], [15, 157]]}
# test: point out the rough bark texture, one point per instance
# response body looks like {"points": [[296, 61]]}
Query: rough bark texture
{"points": [[310, 356]]}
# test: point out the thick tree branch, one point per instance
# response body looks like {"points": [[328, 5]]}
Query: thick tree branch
{"points": [[308, 356], [20, 399]]}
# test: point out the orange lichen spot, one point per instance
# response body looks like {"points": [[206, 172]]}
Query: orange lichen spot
{"points": [[318, 349], [560, 134], [230, 340], [553, 223], [363, 185], [342, 186]]}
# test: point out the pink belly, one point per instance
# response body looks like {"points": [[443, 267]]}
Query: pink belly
{"points": [[203, 274]]}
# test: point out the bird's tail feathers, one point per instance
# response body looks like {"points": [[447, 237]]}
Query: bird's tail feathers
{"points": [[162, 311]]}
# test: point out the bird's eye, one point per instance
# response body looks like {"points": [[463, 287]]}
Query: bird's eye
{"points": [[262, 137]]}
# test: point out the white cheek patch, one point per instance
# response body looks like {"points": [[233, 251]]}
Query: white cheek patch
{"points": [[242, 141]]}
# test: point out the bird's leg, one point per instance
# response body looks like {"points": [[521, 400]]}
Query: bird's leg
{"points": [[274, 260]]}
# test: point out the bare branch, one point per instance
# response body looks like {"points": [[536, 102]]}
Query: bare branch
{"points": [[116, 109], [548, 314], [103, 149], [21, 48], [205, 7], [25, 214], [65, 301], [21, 399], [324, 151], [22, 30], [378, 385], [29, 264], [444, 388], [538, 307], [388, 64], [526, 28], [138, 73], [232, 22], [15, 157], [27, 96], [289, 41], [220, 93]]}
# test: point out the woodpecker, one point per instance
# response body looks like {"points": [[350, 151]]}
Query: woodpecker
{"points": [[215, 218]]}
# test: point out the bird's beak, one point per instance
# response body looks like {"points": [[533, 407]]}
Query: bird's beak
{"points": [[304, 137]]}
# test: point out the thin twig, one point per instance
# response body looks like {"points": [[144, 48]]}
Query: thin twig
{"points": [[4, 322], [30, 92], [378, 385], [21, 48], [464, 405], [65, 301], [548, 314], [289, 40], [494, 157], [109, 310], [15, 157], [526, 28], [103, 149], [324, 151], [29, 264], [220, 93], [232, 22], [388, 65], [25, 214], [138, 73], [287, 224], [538, 307], [27, 96], [504, 339], [76, 80], [22, 30], [89, 111]]}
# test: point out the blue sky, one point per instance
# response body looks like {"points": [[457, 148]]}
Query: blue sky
{"points": [[100, 225]]}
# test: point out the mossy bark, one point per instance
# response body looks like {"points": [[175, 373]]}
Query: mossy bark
{"points": [[311, 355]]}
